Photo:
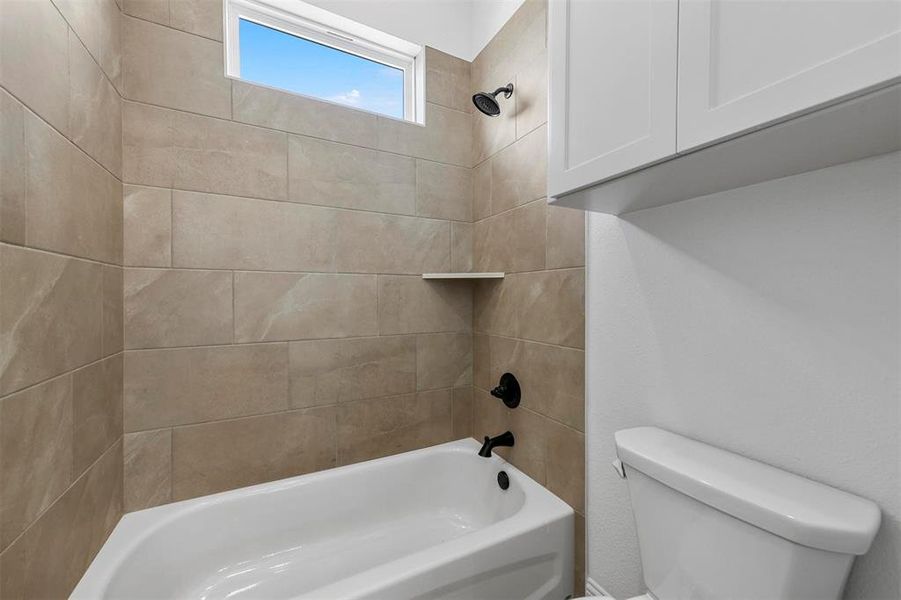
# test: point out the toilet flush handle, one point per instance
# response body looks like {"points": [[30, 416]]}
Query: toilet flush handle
{"points": [[619, 468]]}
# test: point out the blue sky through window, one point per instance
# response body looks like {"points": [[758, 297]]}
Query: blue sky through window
{"points": [[281, 60]]}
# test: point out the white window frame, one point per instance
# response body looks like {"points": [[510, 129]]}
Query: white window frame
{"points": [[315, 24]]}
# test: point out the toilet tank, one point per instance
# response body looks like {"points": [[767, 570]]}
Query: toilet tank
{"points": [[713, 525]]}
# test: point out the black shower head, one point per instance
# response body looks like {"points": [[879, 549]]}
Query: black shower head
{"points": [[487, 102]]}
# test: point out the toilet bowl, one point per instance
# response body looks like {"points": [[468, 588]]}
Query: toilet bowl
{"points": [[712, 524]]}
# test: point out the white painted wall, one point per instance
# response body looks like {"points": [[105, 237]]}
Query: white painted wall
{"points": [[763, 320], [458, 27]]}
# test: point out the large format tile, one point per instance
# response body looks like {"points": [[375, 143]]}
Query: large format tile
{"points": [[410, 304], [481, 362], [50, 315], [149, 10], [174, 69], [83, 17], [379, 427], [200, 17], [331, 371], [481, 191], [147, 216], [52, 555], [147, 152], [445, 137], [566, 464], [179, 386], [96, 409], [522, 38], [378, 243], [491, 134], [552, 307], [531, 95], [227, 232], [166, 307], [462, 412], [565, 237], [443, 191], [296, 306], [225, 455], [35, 453], [447, 80], [512, 241], [34, 54], [529, 453], [147, 464], [461, 247], [111, 41], [112, 318], [258, 105], [331, 174], [74, 204], [519, 172], [95, 109], [443, 360], [13, 170], [552, 378]]}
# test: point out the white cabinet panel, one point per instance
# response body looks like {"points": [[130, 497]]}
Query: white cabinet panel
{"points": [[612, 88], [747, 63]]}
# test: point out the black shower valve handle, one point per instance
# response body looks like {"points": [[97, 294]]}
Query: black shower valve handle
{"points": [[508, 390]]}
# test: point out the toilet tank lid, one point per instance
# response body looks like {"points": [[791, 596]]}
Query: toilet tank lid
{"points": [[787, 505]]}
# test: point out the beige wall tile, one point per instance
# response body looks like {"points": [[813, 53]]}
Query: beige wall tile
{"points": [[149, 10], [461, 247], [481, 190], [112, 324], [519, 40], [166, 308], [379, 427], [519, 172], [97, 410], [95, 109], [295, 306], [377, 243], [74, 204], [552, 307], [331, 371], [83, 17], [174, 69], [111, 41], [147, 465], [552, 378], [447, 80], [512, 241], [34, 63], [222, 157], [491, 418], [443, 191], [491, 134], [147, 153], [566, 464], [462, 412], [220, 456], [49, 559], [50, 316], [267, 107], [565, 237], [35, 453], [192, 385], [481, 362], [444, 138], [413, 305], [443, 360], [227, 232], [331, 174], [13, 170], [147, 215], [496, 306], [531, 95], [200, 17]]}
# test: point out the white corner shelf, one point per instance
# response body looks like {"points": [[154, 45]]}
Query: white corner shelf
{"points": [[488, 275]]}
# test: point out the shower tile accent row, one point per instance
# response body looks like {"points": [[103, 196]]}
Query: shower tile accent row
{"points": [[532, 322], [61, 321]]}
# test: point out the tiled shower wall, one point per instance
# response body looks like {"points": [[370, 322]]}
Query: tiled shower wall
{"points": [[60, 291], [276, 321], [532, 322]]}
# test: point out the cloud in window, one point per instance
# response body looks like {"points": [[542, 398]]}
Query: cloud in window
{"points": [[353, 97]]}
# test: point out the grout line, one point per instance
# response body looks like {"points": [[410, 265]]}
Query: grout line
{"points": [[59, 254], [72, 371]]}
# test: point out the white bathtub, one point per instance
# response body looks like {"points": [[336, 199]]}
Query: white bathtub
{"points": [[432, 523]]}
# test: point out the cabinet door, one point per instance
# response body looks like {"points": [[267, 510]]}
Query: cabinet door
{"points": [[746, 63], [612, 88]]}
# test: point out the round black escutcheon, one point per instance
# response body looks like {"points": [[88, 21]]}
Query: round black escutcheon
{"points": [[503, 480]]}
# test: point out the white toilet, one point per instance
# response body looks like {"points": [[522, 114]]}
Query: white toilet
{"points": [[713, 525]]}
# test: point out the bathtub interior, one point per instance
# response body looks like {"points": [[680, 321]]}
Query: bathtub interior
{"points": [[289, 539]]}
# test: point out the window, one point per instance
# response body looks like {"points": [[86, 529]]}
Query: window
{"points": [[300, 48]]}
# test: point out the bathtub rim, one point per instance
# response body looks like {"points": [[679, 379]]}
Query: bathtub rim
{"points": [[540, 507]]}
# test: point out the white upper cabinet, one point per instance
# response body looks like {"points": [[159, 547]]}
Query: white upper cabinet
{"points": [[612, 66], [747, 63]]}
